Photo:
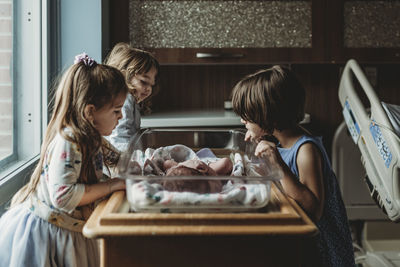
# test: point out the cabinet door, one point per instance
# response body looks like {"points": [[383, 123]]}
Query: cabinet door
{"points": [[222, 31], [368, 31]]}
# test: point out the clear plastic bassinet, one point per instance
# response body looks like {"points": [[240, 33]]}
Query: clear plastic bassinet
{"points": [[246, 188]]}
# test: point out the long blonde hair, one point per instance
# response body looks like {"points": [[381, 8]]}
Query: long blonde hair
{"points": [[131, 61], [80, 86]]}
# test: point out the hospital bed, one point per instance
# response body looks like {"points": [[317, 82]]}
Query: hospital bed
{"points": [[373, 132], [373, 128]]}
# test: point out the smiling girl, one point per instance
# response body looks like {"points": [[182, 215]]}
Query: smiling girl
{"points": [[140, 69]]}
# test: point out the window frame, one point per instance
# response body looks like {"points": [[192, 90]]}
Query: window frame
{"points": [[31, 25]]}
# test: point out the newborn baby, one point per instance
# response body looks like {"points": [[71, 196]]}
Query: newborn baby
{"points": [[195, 167]]}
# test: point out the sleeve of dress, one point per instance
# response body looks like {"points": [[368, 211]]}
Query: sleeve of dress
{"points": [[64, 169], [127, 126]]}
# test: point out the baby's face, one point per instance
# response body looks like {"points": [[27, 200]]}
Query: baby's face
{"points": [[169, 163], [143, 84]]}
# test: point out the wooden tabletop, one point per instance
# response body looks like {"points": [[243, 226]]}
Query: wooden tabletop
{"points": [[282, 216]]}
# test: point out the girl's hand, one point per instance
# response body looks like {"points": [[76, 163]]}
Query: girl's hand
{"points": [[96, 191], [268, 149], [116, 184], [265, 147], [247, 137]]}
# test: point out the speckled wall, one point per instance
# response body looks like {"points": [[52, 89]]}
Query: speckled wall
{"points": [[372, 24], [216, 24]]}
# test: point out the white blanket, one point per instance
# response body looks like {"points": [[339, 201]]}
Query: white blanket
{"points": [[234, 197], [237, 193]]}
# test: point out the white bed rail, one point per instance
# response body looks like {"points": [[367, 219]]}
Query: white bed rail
{"points": [[375, 137]]}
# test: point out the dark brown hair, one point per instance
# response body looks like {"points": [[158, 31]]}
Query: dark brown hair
{"points": [[272, 98]]}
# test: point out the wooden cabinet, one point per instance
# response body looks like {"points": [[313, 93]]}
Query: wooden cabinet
{"points": [[329, 32], [330, 24], [235, 55], [278, 236], [368, 31], [256, 48]]}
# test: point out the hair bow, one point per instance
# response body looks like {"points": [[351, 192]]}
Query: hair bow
{"points": [[88, 61]]}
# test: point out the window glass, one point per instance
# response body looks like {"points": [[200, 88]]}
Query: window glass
{"points": [[6, 86], [21, 89]]}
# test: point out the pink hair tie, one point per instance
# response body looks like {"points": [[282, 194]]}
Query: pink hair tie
{"points": [[88, 61]]}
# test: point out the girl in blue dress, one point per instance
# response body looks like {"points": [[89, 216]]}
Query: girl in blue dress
{"points": [[271, 103]]}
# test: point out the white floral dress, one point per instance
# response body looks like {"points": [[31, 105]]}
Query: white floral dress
{"points": [[46, 230]]}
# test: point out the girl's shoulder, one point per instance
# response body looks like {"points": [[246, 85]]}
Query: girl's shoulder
{"points": [[63, 141], [310, 144], [130, 106], [309, 139], [309, 151], [130, 100], [311, 147]]}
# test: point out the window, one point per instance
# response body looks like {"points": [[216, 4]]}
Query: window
{"points": [[23, 89], [6, 94]]}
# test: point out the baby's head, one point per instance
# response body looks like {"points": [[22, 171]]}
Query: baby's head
{"points": [[181, 170], [139, 67], [169, 163], [272, 98], [201, 186]]}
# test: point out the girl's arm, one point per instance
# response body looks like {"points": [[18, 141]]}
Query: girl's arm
{"points": [[62, 178], [94, 192], [308, 190]]}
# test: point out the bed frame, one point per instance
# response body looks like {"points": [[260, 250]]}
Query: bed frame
{"points": [[371, 130]]}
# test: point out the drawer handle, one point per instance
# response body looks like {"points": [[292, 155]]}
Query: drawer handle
{"points": [[218, 55]]}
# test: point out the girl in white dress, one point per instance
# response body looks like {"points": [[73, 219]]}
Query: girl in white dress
{"points": [[43, 227], [140, 69]]}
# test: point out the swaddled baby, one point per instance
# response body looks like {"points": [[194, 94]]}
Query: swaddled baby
{"points": [[195, 167]]}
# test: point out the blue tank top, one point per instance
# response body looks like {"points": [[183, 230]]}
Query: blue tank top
{"points": [[334, 240]]}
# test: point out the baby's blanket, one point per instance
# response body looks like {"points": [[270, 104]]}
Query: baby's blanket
{"points": [[234, 197], [235, 194]]}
